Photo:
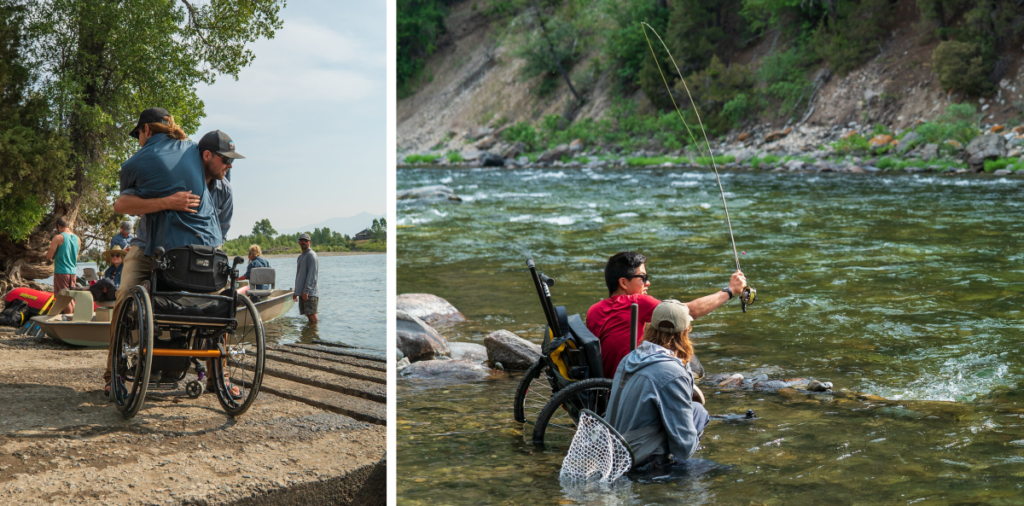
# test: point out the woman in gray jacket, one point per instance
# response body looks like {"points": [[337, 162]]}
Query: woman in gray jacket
{"points": [[652, 401]]}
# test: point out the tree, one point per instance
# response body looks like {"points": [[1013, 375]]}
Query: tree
{"points": [[379, 230], [264, 228], [97, 65]]}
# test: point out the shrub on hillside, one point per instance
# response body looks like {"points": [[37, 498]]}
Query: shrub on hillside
{"points": [[960, 66], [848, 41], [521, 132], [959, 122], [714, 87], [625, 43], [784, 75]]}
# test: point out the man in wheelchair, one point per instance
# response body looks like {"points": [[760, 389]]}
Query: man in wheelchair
{"points": [[165, 183], [627, 280]]}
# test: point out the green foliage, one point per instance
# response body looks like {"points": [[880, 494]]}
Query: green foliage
{"points": [[697, 30], [322, 239], [424, 159], [454, 156], [785, 78], [34, 158], [738, 109], [848, 41], [855, 143], [379, 229], [420, 22], [714, 87], [1000, 163], [719, 160], [263, 228], [554, 42], [625, 44], [961, 66], [957, 122], [521, 132]]}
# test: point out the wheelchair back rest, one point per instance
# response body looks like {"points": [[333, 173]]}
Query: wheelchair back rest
{"points": [[262, 276], [576, 355], [195, 268], [589, 344]]}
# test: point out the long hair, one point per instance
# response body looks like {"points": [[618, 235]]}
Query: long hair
{"points": [[678, 343], [171, 129]]}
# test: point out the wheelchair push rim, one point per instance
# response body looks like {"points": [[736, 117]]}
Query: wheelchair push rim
{"points": [[243, 366], [557, 422], [133, 357]]}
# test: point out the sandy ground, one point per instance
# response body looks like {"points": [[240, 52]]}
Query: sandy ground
{"points": [[62, 442]]}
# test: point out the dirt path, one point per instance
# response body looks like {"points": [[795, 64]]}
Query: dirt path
{"points": [[61, 442]]}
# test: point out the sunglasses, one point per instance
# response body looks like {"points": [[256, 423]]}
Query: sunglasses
{"points": [[226, 160], [643, 277]]}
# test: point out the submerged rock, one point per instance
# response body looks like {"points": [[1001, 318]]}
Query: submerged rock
{"points": [[417, 340], [470, 352], [428, 194], [428, 307], [514, 352], [460, 370]]}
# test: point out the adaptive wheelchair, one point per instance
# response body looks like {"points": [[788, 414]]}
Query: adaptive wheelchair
{"points": [[567, 379], [187, 313]]}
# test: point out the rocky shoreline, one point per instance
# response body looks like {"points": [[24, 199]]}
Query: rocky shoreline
{"points": [[850, 148]]}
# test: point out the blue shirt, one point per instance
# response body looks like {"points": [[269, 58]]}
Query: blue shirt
{"points": [[258, 262], [114, 273], [220, 191], [163, 167], [121, 240]]}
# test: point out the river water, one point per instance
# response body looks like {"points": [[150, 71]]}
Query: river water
{"points": [[906, 287]]}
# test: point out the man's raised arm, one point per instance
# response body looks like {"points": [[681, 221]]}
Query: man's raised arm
{"points": [[708, 303], [132, 204]]}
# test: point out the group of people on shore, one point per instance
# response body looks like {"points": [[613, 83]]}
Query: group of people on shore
{"points": [[180, 192]]}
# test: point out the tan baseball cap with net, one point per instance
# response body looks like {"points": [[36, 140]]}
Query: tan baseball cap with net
{"points": [[671, 316]]}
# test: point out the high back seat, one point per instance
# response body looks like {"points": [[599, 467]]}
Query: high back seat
{"points": [[262, 276]]}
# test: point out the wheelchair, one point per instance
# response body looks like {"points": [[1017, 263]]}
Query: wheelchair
{"points": [[177, 320], [567, 379]]}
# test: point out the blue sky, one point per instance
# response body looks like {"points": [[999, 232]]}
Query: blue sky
{"points": [[309, 115]]}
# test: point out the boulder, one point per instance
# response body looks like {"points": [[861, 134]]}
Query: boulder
{"points": [[795, 165], [401, 364], [417, 340], [514, 352], [428, 193], [479, 132], [743, 137], [459, 370], [930, 152], [469, 352], [472, 154], [486, 143], [778, 134], [908, 141], [879, 141], [996, 129], [576, 145], [433, 310], [513, 150], [984, 147], [1002, 172], [492, 160], [555, 153], [1019, 130]]}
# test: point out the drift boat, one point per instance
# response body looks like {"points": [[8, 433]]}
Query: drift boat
{"points": [[91, 328]]}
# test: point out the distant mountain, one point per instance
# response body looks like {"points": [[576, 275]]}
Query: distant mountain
{"points": [[351, 225]]}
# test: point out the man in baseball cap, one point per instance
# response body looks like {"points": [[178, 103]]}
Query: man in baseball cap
{"points": [[652, 402], [218, 152], [307, 270]]}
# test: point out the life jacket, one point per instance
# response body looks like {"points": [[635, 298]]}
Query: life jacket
{"points": [[38, 302]]}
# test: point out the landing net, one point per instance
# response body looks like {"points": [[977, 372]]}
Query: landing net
{"points": [[597, 454]]}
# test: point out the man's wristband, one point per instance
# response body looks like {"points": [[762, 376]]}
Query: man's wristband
{"points": [[728, 291]]}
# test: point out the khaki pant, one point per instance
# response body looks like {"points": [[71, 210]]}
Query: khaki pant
{"points": [[135, 271]]}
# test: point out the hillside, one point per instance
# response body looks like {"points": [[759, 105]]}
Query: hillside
{"points": [[475, 82]]}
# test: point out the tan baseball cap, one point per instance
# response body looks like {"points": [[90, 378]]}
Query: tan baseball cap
{"points": [[671, 316]]}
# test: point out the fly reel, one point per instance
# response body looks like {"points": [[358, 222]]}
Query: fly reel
{"points": [[747, 297]]}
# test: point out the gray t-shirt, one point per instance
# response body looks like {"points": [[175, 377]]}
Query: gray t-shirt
{"points": [[306, 271]]}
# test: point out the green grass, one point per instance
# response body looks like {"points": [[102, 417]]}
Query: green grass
{"points": [[719, 160], [422, 158], [1003, 163], [454, 156]]}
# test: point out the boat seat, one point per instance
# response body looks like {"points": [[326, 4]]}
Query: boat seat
{"points": [[262, 276], [260, 293], [83, 304]]}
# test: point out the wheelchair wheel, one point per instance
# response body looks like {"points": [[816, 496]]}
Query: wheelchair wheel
{"points": [[556, 424], [533, 393], [244, 363], [133, 352]]}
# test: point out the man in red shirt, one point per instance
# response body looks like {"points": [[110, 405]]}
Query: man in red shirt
{"points": [[626, 277]]}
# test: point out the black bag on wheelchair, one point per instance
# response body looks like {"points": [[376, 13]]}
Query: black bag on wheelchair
{"points": [[194, 268], [574, 356], [180, 305]]}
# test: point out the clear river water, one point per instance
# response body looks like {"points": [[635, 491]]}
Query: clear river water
{"points": [[903, 287]]}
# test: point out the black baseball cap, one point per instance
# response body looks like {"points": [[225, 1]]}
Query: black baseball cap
{"points": [[220, 143], [151, 115]]}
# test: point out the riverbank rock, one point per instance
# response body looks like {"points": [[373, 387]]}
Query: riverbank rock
{"points": [[555, 153], [429, 193], [459, 370], [984, 147], [430, 308], [492, 160], [469, 352], [417, 340], [514, 352], [929, 152]]}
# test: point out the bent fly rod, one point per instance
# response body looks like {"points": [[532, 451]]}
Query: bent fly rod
{"points": [[748, 295]]}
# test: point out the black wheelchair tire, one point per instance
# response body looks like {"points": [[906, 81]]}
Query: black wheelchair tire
{"points": [[526, 384], [130, 403], [590, 393], [250, 384]]}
